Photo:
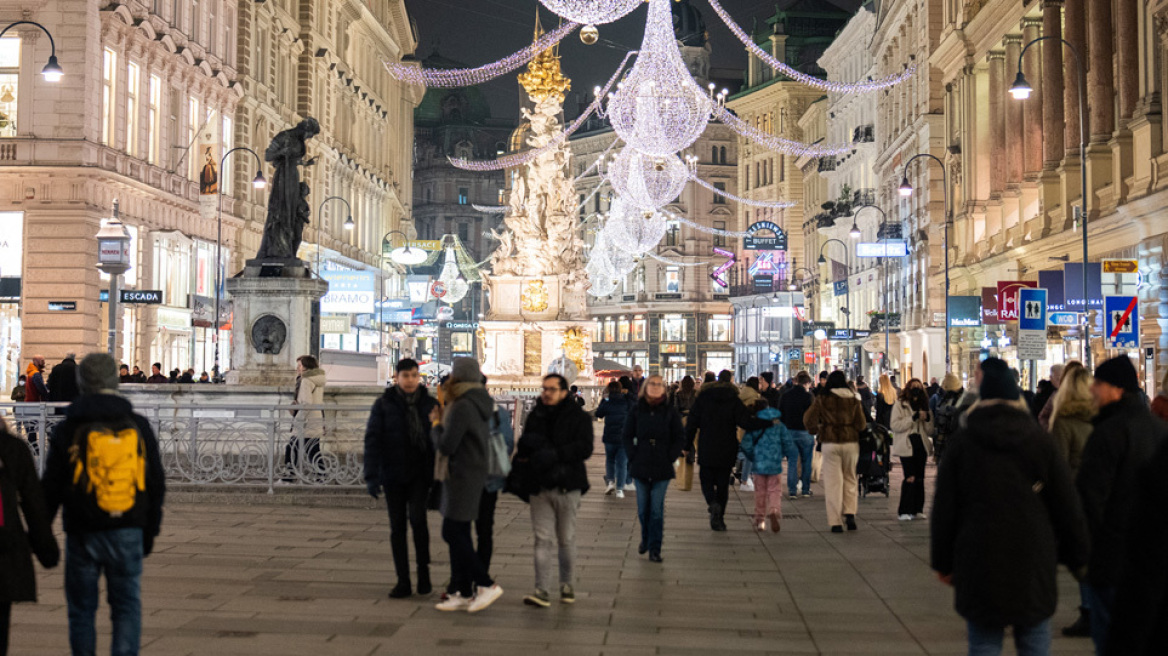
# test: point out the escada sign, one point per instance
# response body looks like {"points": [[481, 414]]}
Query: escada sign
{"points": [[143, 296]]}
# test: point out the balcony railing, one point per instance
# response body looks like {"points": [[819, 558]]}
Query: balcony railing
{"points": [[864, 134], [827, 163]]}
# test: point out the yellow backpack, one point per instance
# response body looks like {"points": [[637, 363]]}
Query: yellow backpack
{"points": [[109, 467]]}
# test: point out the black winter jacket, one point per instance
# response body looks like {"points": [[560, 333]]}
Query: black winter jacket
{"points": [[58, 477], [1125, 438], [22, 496], [556, 440], [1005, 513], [391, 456], [654, 439], [63, 382], [718, 414], [793, 404], [614, 411]]}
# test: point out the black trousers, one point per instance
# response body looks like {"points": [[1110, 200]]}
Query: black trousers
{"points": [[408, 503], [466, 570], [5, 620], [912, 495], [484, 532], [716, 485]]}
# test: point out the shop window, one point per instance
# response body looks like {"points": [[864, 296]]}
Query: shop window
{"points": [[673, 328], [609, 330], [720, 328], [622, 330], [640, 328], [9, 85]]}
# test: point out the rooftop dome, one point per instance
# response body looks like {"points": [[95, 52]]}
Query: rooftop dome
{"points": [[689, 27]]}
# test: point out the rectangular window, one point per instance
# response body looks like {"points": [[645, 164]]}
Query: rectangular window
{"points": [[153, 116], [194, 123], [133, 82], [720, 199], [640, 328], [463, 196], [9, 84], [622, 330], [672, 233], [464, 233], [672, 328], [720, 328], [108, 74], [225, 177], [609, 329], [719, 239], [672, 279]]}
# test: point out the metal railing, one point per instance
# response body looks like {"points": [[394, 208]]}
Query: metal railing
{"points": [[259, 445]]}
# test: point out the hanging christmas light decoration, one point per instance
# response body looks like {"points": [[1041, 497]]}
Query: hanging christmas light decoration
{"points": [[647, 181], [592, 11], [596, 162], [777, 144], [469, 77], [633, 230], [800, 76], [777, 204], [600, 286], [520, 159], [604, 260], [701, 228], [490, 209], [659, 109], [456, 287], [672, 262]]}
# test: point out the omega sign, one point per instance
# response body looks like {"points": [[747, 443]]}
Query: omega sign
{"points": [[772, 239]]}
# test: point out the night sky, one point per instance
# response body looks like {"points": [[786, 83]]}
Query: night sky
{"points": [[476, 32]]}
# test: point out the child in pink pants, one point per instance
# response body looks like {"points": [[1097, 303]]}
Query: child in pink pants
{"points": [[765, 449]]}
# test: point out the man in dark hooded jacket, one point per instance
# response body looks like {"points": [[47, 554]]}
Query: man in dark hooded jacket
{"points": [[399, 458], [1125, 437], [718, 414], [63, 381]]}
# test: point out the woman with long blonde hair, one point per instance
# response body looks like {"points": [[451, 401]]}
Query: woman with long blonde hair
{"points": [[885, 400], [1070, 421]]}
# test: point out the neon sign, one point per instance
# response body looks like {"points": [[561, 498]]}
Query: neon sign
{"points": [[719, 274]]}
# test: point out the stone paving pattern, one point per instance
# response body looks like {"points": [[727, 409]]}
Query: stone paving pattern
{"points": [[229, 579]]}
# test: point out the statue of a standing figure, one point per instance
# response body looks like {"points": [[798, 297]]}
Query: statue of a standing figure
{"points": [[288, 210]]}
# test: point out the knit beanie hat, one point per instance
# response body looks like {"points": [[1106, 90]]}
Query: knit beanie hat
{"points": [[997, 381], [466, 370], [950, 383], [1119, 372], [768, 376]]}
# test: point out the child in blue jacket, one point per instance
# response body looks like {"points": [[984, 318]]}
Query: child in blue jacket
{"points": [[766, 448]]}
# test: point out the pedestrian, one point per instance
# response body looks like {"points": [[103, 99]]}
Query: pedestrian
{"points": [[187, 377], [156, 376], [124, 375], [715, 419], [174, 376], [687, 395], [946, 415], [1070, 426], [765, 449], [766, 387], [399, 460], [1160, 403], [1046, 393], [638, 379], [302, 453], [749, 394], [461, 435], [1123, 441], [577, 398], [139, 375], [36, 390], [867, 398], [63, 380], [801, 447], [885, 399], [18, 391], [836, 417], [484, 524], [933, 389], [556, 440], [22, 499], [1005, 515], [912, 424], [104, 468], [205, 378], [821, 385], [613, 409], [654, 438]]}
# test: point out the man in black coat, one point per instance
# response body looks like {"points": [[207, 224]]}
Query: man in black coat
{"points": [[793, 406], [718, 414], [766, 387], [63, 380], [399, 458], [1125, 437], [557, 439]]}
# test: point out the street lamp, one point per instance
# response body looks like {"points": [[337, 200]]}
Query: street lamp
{"points": [[1020, 90], [403, 255], [113, 258], [52, 70], [348, 225], [258, 182], [884, 265], [906, 190]]}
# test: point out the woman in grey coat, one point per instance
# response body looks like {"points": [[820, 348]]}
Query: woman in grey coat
{"points": [[462, 435]]}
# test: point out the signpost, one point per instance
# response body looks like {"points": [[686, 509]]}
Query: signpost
{"points": [[1063, 319], [1121, 321], [1031, 325]]}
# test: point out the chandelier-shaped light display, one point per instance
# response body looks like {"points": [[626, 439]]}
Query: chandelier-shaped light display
{"points": [[606, 261], [468, 77], [600, 285], [519, 159], [600, 159], [647, 181], [456, 287], [592, 11], [800, 76], [659, 108], [633, 230], [777, 144], [774, 204]]}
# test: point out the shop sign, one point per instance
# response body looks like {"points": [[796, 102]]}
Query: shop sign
{"points": [[812, 326], [887, 248], [1008, 298], [794, 354], [62, 306], [809, 358], [840, 287], [780, 311], [141, 296], [1073, 285], [169, 317], [11, 244], [842, 334], [444, 312], [460, 325], [964, 311], [1052, 282], [671, 296], [989, 306], [336, 325], [776, 241], [350, 292]]}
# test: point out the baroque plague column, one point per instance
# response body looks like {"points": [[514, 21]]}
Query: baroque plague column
{"points": [[537, 314]]}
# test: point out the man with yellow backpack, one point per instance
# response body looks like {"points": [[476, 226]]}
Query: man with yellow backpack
{"points": [[104, 468]]}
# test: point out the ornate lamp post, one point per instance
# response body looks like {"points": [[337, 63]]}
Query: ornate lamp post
{"points": [[404, 255], [906, 190], [1021, 90], [258, 182], [52, 70], [348, 224]]}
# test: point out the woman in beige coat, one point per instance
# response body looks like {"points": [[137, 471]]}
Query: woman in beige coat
{"points": [[836, 417]]}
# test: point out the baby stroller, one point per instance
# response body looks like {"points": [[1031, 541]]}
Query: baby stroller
{"points": [[875, 460]]}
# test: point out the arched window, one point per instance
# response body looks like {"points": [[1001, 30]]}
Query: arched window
{"points": [[722, 157], [714, 155]]}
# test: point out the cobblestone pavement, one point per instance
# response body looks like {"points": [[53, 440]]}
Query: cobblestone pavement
{"points": [[232, 579]]}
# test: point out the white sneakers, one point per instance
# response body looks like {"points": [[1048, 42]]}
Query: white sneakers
{"points": [[905, 518], [620, 494], [629, 487], [747, 486], [610, 488], [920, 516], [484, 597]]}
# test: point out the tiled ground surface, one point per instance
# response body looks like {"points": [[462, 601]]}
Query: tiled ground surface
{"points": [[229, 579]]}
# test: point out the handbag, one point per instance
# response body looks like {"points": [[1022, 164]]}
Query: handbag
{"points": [[816, 465]]}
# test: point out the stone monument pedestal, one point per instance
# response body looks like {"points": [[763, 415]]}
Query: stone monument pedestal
{"points": [[273, 323], [532, 321]]}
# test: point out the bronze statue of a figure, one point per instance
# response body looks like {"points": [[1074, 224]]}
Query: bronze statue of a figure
{"points": [[288, 209]]}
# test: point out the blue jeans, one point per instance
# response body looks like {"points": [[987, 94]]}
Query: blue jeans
{"points": [[651, 511], [747, 467], [1101, 601], [119, 554], [802, 447], [616, 464], [1028, 640]]}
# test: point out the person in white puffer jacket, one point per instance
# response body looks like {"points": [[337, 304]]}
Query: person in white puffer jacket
{"points": [[912, 426]]}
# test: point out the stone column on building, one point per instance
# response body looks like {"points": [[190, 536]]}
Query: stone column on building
{"points": [[1014, 115], [1076, 34], [1128, 65], [1052, 83], [1033, 108], [997, 115], [1100, 76]]}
